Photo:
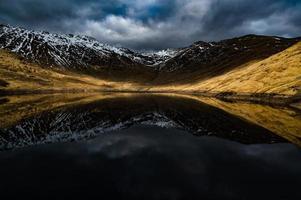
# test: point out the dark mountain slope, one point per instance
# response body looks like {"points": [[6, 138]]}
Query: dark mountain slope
{"points": [[206, 60]]}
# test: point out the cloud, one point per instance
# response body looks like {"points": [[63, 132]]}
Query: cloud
{"points": [[156, 24]]}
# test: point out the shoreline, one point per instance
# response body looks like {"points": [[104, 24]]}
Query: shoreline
{"points": [[260, 98]]}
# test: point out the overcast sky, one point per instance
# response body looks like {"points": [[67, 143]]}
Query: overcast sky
{"points": [[156, 24]]}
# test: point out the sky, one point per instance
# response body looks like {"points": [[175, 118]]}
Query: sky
{"points": [[156, 24]]}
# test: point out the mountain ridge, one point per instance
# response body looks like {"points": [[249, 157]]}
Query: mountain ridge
{"points": [[92, 65], [68, 50]]}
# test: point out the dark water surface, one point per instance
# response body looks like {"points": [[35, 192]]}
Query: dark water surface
{"points": [[130, 146]]}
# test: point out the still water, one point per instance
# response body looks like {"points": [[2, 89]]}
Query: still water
{"points": [[139, 146]]}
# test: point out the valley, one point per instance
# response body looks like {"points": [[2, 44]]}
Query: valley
{"points": [[252, 67]]}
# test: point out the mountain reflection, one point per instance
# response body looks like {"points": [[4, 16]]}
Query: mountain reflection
{"points": [[38, 119], [152, 163]]}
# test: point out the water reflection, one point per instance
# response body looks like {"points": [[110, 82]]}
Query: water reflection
{"points": [[38, 119], [282, 121], [146, 162]]}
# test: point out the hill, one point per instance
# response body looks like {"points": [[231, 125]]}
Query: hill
{"points": [[20, 75], [278, 74], [203, 60]]}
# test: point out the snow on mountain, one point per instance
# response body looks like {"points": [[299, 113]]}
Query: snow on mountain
{"points": [[67, 50], [78, 52], [159, 57]]}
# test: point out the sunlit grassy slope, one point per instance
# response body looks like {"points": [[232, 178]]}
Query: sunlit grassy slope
{"points": [[279, 74], [19, 74]]}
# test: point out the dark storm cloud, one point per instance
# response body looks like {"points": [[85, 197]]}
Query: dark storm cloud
{"points": [[156, 24], [55, 14], [237, 17]]}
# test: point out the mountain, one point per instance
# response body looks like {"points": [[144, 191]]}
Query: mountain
{"points": [[274, 76], [79, 54], [74, 51], [203, 60], [82, 52], [83, 63], [70, 51]]}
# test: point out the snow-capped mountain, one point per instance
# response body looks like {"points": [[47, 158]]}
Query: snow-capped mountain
{"points": [[67, 50], [83, 52]]}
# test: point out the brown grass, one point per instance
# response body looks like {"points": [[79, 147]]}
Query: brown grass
{"points": [[279, 74], [19, 74]]}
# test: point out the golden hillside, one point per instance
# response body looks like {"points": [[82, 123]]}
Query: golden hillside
{"points": [[17, 74], [279, 74]]}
